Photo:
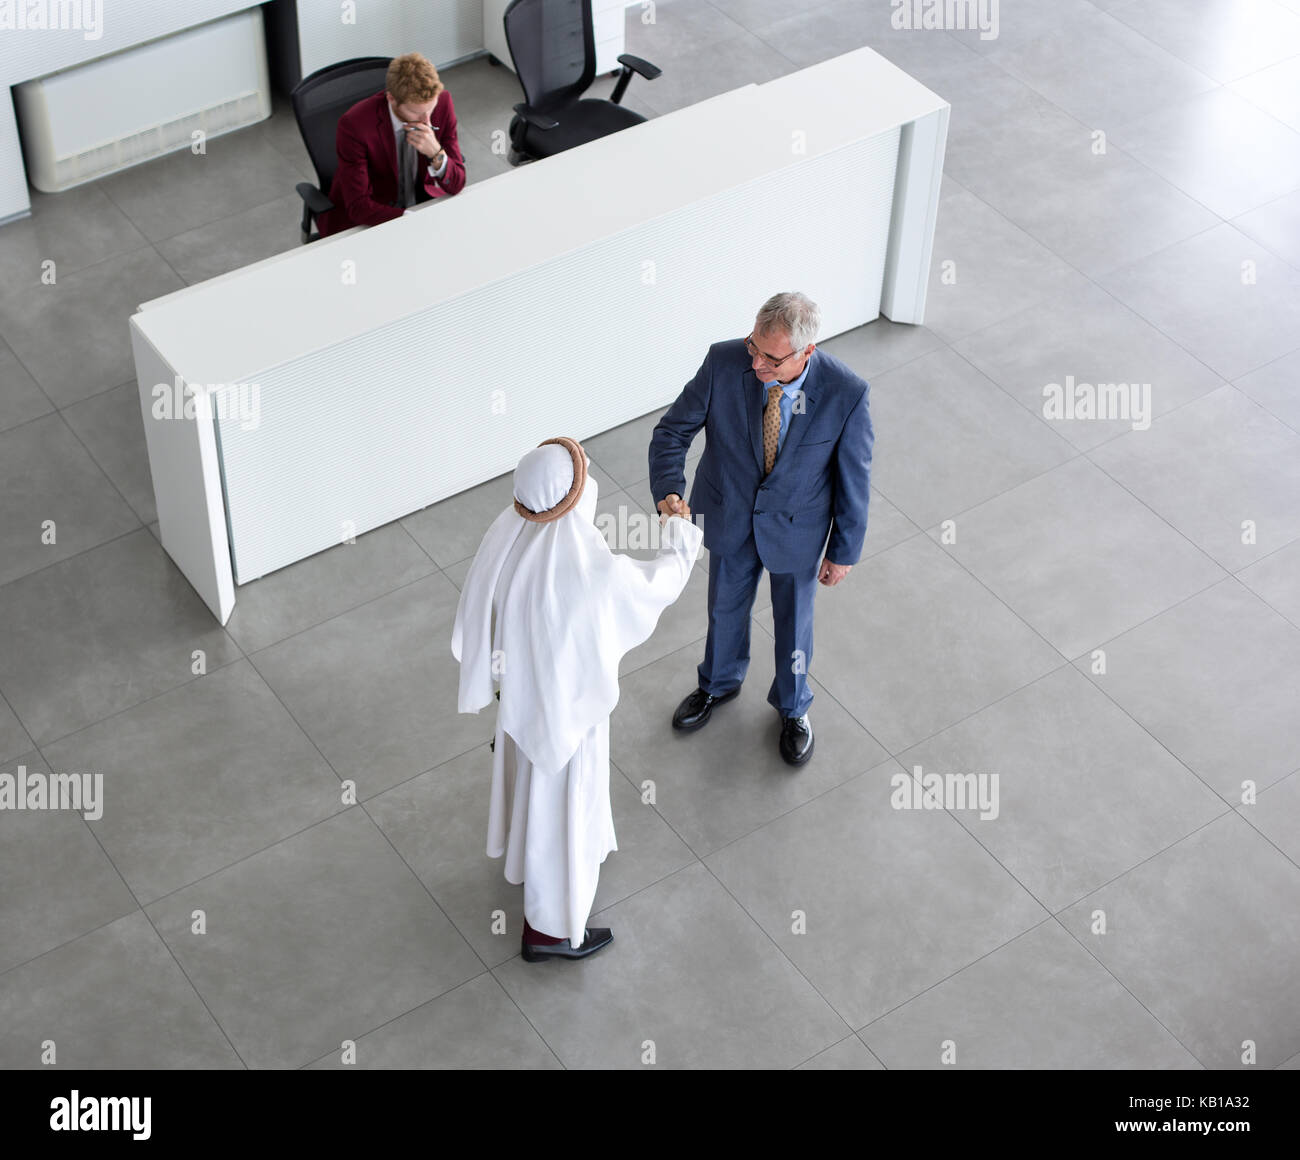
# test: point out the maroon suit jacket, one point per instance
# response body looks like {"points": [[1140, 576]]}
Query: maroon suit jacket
{"points": [[365, 190]]}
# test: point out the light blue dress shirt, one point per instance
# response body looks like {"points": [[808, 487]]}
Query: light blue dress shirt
{"points": [[788, 392]]}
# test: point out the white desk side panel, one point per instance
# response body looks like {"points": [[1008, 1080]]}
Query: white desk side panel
{"points": [[367, 431], [187, 486], [916, 209]]}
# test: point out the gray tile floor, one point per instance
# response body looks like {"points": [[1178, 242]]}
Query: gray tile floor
{"points": [[1105, 613]]}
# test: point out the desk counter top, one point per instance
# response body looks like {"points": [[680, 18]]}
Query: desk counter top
{"points": [[231, 328]]}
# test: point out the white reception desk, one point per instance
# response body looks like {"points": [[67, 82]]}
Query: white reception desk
{"points": [[398, 365]]}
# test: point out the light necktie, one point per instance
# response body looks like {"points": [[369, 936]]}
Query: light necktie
{"points": [[771, 426], [406, 167]]}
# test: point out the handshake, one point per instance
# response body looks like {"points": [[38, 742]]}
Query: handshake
{"points": [[673, 505]]}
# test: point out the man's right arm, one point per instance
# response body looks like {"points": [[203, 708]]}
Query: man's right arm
{"points": [[674, 432], [354, 181]]}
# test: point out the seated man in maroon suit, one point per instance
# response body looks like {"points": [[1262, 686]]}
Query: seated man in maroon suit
{"points": [[413, 121]]}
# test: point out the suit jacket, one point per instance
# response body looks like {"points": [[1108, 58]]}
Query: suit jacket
{"points": [[365, 187], [821, 479]]}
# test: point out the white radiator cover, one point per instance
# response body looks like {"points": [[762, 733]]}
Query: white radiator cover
{"points": [[109, 114], [362, 433]]}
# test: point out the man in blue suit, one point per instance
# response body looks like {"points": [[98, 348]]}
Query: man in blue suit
{"points": [[787, 459]]}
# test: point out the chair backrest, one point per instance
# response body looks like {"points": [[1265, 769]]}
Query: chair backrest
{"points": [[322, 98], [553, 46]]}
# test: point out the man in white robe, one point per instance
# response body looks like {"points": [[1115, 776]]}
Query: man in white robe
{"points": [[546, 615]]}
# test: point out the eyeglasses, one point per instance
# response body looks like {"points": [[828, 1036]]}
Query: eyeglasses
{"points": [[767, 358]]}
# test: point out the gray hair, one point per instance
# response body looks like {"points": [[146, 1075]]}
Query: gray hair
{"points": [[792, 313]]}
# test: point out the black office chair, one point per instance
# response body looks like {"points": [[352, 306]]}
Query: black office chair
{"points": [[318, 102], [553, 48]]}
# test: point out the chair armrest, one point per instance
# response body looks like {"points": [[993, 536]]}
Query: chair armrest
{"points": [[641, 67], [315, 200], [632, 64], [535, 119]]}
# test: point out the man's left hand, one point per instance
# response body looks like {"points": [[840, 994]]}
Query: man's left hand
{"points": [[422, 139], [832, 574]]}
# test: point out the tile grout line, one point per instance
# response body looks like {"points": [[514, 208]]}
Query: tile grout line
{"points": [[107, 478], [793, 965], [54, 407], [361, 803], [152, 925]]}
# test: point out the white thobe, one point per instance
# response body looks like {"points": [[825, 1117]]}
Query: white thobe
{"points": [[556, 829]]}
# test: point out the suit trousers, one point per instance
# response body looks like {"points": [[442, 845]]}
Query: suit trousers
{"points": [[733, 583]]}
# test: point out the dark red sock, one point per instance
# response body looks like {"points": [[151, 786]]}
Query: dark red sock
{"points": [[537, 939]]}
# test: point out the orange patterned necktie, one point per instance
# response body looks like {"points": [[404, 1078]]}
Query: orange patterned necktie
{"points": [[771, 426]]}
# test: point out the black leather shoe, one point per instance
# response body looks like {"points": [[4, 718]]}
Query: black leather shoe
{"points": [[597, 937], [796, 739], [698, 707]]}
